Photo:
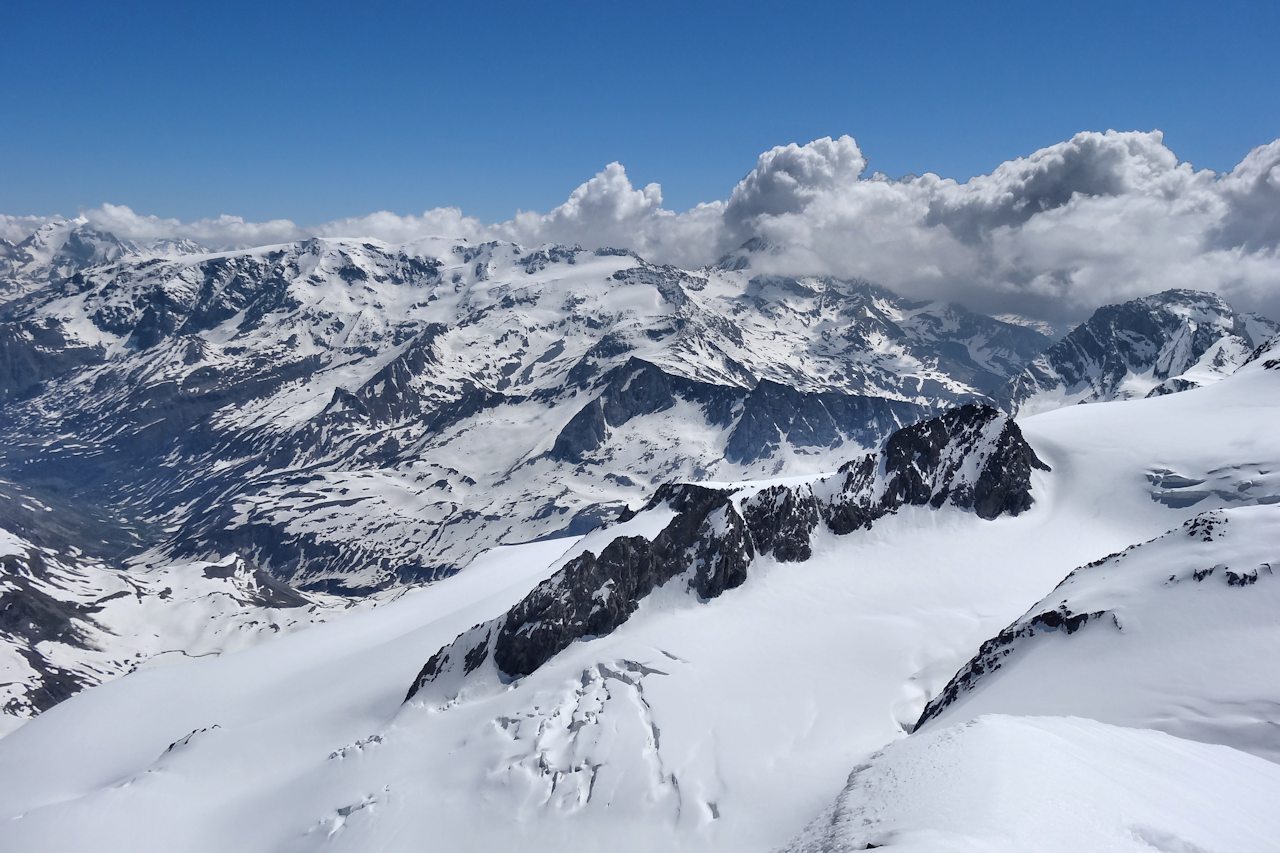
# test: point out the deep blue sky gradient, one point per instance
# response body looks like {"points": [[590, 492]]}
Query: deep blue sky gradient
{"points": [[313, 111]]}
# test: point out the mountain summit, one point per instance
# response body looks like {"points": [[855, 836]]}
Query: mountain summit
{"points": [[1158, 344]]}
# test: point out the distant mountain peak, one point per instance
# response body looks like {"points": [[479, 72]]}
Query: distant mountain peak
{"points": [[740, 258], [55, 251], [1158, 344], [1044, 327]]}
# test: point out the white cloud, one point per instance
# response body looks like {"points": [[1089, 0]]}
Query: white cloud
{"points": [[789, 179], [394, 228], [1101, 217], [1251, 192], [16, 228], [221, 232], [608, 211]]}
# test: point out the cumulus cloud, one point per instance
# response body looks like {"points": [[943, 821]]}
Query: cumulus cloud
{"points": [[1101, 217], [221, 232], [394, 228], [609, 211], [790, 178], [1090, 165], [1251, 193]]}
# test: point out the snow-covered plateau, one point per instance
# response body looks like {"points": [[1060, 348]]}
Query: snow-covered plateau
{"points": [[340, 545]]}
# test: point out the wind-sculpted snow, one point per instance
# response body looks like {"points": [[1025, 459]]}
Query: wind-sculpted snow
{"points": [[1003, 784], [349, 414], [1171, 634], [970, 458], [1160, 344]]}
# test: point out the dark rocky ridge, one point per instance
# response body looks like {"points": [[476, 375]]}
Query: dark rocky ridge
{"points": [[1268, 354], [773, 413], [33, 351], [993, 651], [713, 538]]}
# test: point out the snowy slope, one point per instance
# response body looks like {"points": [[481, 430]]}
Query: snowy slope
{"points": [[726, 723], [1054, 785], [69, 621], [1159, 344], [325, 689], [970, 458], [1171, 635]]}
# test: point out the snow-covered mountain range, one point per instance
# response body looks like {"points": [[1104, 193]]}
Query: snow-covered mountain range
{"points": [[347, 414], [368, 545]]}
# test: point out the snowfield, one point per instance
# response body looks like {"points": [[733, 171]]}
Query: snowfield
{"points": [[1053, 785], [731, 724], [1169, 635]]}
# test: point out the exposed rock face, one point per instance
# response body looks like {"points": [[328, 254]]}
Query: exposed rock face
{"points": [[29, 616], [592, 595], [1159, 344], [392, 393], [971, 458], [994, 650], [762, 418], [773, 413], [635, 389], [935, 461], [34, 351], [781, 521]]}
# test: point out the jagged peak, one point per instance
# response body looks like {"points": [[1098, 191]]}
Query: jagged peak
{"points": [[1184, 296]]}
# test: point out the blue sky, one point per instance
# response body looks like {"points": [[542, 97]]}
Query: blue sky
{"points": [[318, 110]]}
